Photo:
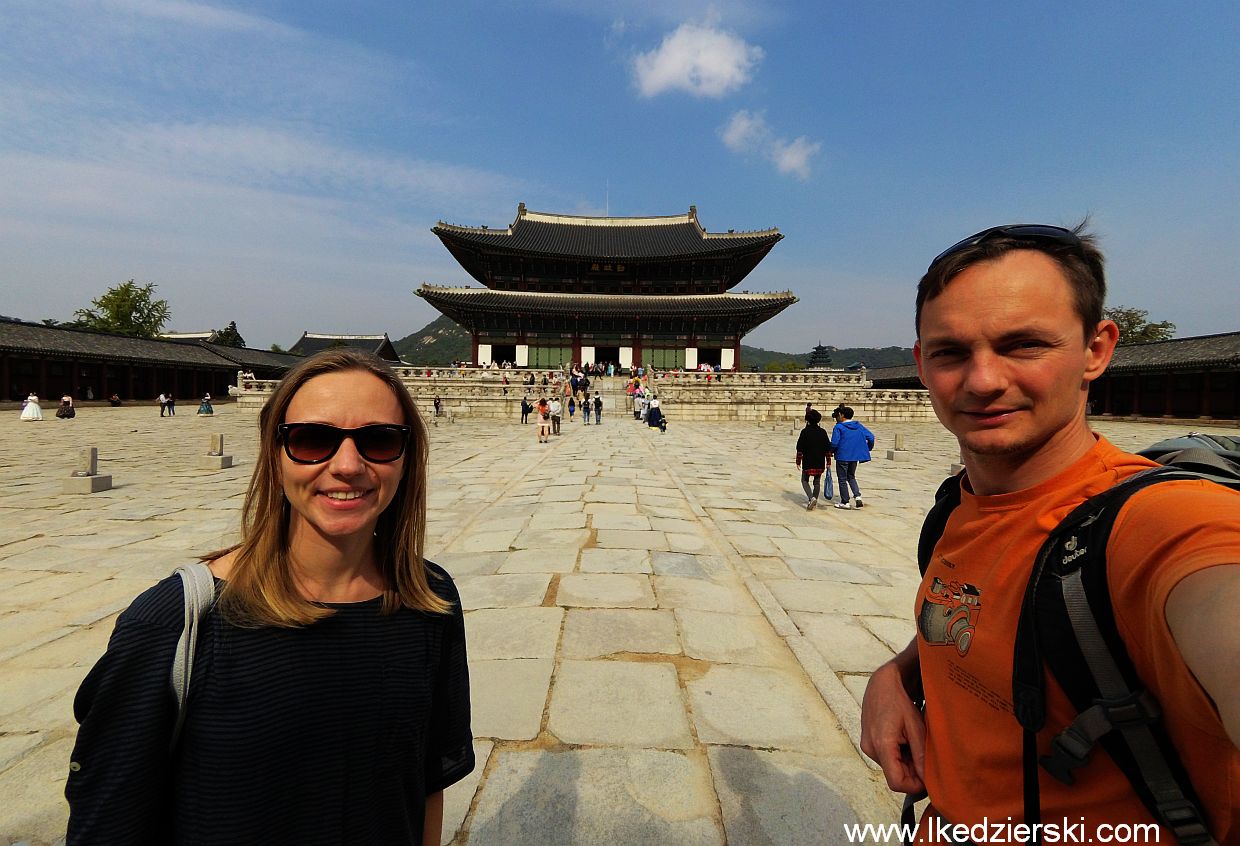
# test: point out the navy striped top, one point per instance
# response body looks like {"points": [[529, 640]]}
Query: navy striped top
{"points": [[334, 733]]}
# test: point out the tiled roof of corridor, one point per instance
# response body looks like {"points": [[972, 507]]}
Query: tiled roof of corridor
{"points": [[1222, 350]]}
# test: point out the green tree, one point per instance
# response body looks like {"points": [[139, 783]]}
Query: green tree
{"points": [[229, 336], [126, 309], [276, 348], [1135, 326]]}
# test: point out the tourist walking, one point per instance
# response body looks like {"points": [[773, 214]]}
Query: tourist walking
{"points": [[526, 408], [572, 408], [654, 415], [814, 459], [329, 700], [31, 410], [598, 410], [585, 409], [851, 443], [172, 406], [556, 410], [66, 411], [163, 404]]}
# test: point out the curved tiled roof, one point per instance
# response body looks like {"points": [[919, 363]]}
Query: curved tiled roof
{"points": [[312, 342], [897, 376], [37, 339], [617, 238], [1222, 350], [485, 299], [34, 339]]}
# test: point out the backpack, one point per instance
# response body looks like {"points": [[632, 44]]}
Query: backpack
{"points": [[1067, 623]]}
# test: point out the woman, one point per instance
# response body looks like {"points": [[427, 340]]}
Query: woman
{"points": [[66, 410], [204, 407], [32, 410], [330, 696], [544, 421]]}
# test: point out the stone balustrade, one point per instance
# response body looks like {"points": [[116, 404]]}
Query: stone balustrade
{"points": [[757, 397]]}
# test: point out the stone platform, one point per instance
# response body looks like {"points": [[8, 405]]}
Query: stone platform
{"points": [[665, 646]]}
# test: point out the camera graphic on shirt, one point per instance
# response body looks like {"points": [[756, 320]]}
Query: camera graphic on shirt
{"points": [[949, 614]]}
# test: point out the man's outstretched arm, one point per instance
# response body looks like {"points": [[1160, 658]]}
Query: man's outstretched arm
{"points": [[893, 732], [1202, 615]]}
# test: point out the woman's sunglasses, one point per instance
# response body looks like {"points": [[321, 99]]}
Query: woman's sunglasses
{"points": [[314, 443]]}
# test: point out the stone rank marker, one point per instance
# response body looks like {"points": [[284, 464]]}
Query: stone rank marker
{"points": [[86, 479], [215, 459]]}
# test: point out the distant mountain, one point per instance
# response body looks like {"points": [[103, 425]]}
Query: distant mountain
{"points": [[442, 341]]}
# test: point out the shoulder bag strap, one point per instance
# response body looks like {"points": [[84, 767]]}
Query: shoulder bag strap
{"points": [[199, 588]]}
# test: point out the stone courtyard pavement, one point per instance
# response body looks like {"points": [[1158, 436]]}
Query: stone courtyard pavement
{"points": [[665, 646]]}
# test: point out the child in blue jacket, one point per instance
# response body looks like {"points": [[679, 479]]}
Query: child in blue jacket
{"points": [[851, 443]]}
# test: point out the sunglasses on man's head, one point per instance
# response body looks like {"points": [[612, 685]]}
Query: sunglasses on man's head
{"points": [[1036, 233], [314, 443]]}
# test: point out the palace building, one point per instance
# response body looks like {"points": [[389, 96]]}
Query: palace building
{"points": [[652, 291]]}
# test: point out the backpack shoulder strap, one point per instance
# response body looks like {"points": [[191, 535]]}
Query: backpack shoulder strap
{"points": [[946, 498], [1068, 619], [198, 586]]}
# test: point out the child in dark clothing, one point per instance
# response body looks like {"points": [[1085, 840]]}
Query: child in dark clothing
{"points": [[813, 457]]}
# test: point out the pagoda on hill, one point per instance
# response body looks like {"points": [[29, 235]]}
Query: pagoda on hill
{"points": [[652, 291], [819, 358]]}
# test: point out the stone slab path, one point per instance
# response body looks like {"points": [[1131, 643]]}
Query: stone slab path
{"points": [[665, 646]]}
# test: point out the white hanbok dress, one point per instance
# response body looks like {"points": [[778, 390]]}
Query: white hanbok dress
{"points": [[32, 410]]}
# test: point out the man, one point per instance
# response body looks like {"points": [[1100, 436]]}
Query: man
{"points": [[556, 410], [1009, 337], [598, 410]]}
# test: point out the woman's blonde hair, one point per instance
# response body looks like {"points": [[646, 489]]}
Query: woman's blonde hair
{"points": [[260, 589]]}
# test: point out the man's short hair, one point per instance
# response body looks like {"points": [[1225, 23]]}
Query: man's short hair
{"points": [[846, 412], [1081, 263], [813, 417]]}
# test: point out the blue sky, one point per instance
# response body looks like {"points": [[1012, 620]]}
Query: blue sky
{"points": [[281, 162]]}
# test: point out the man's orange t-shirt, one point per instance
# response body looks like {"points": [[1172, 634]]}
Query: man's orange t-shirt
{"points": [[967, 610]]}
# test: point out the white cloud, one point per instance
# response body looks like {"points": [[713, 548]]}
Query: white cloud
{"points": [[745, 132], [701, 60], [199, 15], [748, 132], [793, 156]]}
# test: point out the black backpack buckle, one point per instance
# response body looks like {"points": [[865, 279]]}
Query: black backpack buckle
{"points": [[1071, 747], [1069, 751]]}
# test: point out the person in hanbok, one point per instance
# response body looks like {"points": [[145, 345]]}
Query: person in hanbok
{"points": [[32, 410], [204, 407], [66, 411]]}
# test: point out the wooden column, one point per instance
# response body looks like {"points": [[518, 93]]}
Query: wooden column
{"points": [[1107, 391], [473, 355], [1204, 407], [6, 378], [1136, 395], [1168, 410]]}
